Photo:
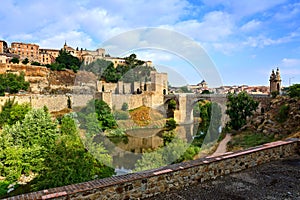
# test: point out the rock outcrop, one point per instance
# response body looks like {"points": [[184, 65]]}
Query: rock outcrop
{"points": [[282, 118]]}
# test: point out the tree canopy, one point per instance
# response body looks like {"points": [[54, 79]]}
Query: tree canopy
{"points": [[239, 107], [294, 90], [12, 83], [12, 112], [65, 61]]}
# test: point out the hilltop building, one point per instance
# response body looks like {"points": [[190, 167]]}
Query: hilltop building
{"points": [[200, 87], [25, 50], [3, 47], [275, 82]]}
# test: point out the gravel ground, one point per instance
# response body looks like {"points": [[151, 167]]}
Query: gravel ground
{"points": [[275, 180]]}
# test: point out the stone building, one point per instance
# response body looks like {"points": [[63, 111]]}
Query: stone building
{"points": [[275, 82], [88, 56], [3, 47], [48, 56], [26, 50], [150, 93]]}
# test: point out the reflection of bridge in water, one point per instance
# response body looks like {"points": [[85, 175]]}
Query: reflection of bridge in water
{"points": [[185, 103]]}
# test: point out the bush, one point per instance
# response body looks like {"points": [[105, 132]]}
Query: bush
{"points": [[121, 115], [283, 113], [36, 63], [170, 124], [124, 106], [294, 90]]}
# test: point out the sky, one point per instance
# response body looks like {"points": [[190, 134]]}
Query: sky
{"points": [[244, 39]]}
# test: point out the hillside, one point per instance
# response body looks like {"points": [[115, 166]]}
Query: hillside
{"points": [[282, 118]]}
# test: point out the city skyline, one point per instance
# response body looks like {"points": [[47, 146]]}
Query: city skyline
{"points": [[245, 39]]}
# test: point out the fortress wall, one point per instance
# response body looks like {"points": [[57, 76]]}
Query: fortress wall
{"points": [[53, 102], [133, 101], [149, 183], [81, 100]]}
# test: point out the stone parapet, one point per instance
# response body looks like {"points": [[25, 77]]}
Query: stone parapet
{"points": [[149, 183]]}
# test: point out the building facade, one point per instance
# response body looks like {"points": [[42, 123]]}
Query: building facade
{"points": [[48, 56], [3, 47], [26, 50]]}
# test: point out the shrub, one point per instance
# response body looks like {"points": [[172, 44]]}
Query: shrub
{"points": [[283, 113], [121, 115], [124, 106]]}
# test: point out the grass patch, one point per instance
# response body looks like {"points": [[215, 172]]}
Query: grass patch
{"points": [[245, 140]]}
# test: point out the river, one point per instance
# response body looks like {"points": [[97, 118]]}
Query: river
{"points": [[144, 140]]}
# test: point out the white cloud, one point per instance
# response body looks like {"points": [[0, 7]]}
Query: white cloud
{"points": [[73, 39], [244, 8], [290, 62], [263, 41], [250, 26], [215, 26]]}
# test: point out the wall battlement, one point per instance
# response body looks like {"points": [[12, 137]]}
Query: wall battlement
{"points": [[149, 183]]}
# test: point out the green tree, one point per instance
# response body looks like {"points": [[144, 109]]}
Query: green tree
{"points": [[205, 92], [66, 60], [15, 60], [239, 107], [11, 112], [132, 61], [184, 89], [294, 90], [12, 83], [110, 74], [124, 106], [173, 152], [170, 124], [70, 163], [23, 145], [97, 67], [25, 61], [99, 114], [35, 63]]}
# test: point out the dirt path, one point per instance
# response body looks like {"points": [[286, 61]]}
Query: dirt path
{"points": [[222, 146]]}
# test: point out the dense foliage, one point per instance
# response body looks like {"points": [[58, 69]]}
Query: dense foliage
{"points": [[131, 70], [15, 60], [55, 154], [96, 116], [239, 107], [210, 114], [70, 162], [294, 91], [97, 67], [12, 83], [11, 112], [24, 145], [65, 61]]}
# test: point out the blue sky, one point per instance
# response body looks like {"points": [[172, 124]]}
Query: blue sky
{"points": [[245, 39]]}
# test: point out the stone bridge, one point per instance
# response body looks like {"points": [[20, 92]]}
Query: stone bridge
{"points": [[185, 103]]}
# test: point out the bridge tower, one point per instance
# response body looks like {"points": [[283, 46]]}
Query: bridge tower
{"points": [[275, 82]]}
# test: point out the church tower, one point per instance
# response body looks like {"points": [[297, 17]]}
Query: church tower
{"points": [[275, 82]]}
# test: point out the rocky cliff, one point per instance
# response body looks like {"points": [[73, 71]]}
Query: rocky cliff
{"points": [[282, 118]]}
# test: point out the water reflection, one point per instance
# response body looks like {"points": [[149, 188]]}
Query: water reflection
{"points": [[144, 140]]}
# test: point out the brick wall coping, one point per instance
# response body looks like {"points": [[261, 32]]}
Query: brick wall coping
{"points": [[64, 191]]}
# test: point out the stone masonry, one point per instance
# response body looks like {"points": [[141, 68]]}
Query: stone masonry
{"points": [[149, 183]]}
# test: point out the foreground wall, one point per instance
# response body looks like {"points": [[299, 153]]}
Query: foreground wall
{"points": [[152, 182]]}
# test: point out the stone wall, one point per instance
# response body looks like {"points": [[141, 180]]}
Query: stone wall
{"points": [[149, 183], [53, 102]]}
